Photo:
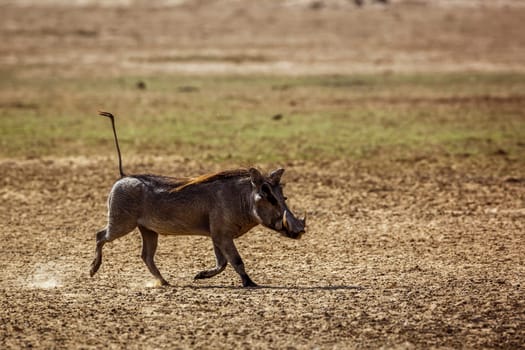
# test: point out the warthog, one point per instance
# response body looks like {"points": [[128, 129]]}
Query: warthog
{"points": [[223, 206]]}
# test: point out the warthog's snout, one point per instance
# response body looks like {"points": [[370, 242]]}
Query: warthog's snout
{"points": [[269, 205], [292, 226]]}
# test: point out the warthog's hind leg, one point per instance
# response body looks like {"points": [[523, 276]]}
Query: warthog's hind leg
{"points": [[221, 263], [95, 265], [108, 234], [149, 247]]}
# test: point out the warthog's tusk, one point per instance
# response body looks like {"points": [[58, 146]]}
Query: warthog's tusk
{"points": [[285, 222]]}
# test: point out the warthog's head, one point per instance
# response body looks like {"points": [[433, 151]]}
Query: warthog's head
{"points": [[269, 204]]}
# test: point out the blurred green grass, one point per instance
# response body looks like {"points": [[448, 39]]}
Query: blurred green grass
{"points": [[266, 118]]}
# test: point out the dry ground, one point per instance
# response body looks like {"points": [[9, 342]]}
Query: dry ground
{"points": [[244, 37], [414, 252], [418, 254]]}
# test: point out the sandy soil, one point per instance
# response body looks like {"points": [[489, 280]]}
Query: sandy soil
{"points": [[290, 37], [419, 252]]}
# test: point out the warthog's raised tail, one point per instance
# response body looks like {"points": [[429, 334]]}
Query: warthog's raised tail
{"points": [[110, 116]]}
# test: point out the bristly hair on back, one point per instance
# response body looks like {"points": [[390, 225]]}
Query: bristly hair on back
{"points": [[227, 174]]}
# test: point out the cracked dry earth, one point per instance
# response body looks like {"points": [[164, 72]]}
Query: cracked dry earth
{"points": [[414, 253]]}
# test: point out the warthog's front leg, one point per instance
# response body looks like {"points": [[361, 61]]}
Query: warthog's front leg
{"points": [[221, 263], [229, 250]]}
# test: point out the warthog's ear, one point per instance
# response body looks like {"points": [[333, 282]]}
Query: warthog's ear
{"points": [[256, 177], [275, 176]]}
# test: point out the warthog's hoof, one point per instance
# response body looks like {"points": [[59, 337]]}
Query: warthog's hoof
{"points": [[95, 265], [248, 283], [161, 283], [201, 275]]}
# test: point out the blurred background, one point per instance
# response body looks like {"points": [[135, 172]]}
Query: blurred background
{"points": [[211, 77]]}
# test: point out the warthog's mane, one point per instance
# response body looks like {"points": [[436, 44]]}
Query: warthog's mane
{"points": [[222, 175], [174, 184]]}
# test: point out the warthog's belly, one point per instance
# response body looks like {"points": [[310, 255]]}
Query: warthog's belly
{"points": [[176, 226]]}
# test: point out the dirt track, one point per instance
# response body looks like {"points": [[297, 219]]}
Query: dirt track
{"points": [[402, 253], [426, 255]]}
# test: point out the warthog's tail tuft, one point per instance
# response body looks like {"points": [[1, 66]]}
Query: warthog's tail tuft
{"points": [[110, 116]]}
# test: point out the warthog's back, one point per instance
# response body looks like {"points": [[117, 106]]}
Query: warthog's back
{"points": [[181, 206]]}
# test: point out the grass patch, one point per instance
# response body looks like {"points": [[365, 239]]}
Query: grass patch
{"points": [[234, 117]]}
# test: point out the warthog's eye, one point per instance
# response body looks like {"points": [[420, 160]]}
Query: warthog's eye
{"points": [[267, 193], [285, 198]]}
